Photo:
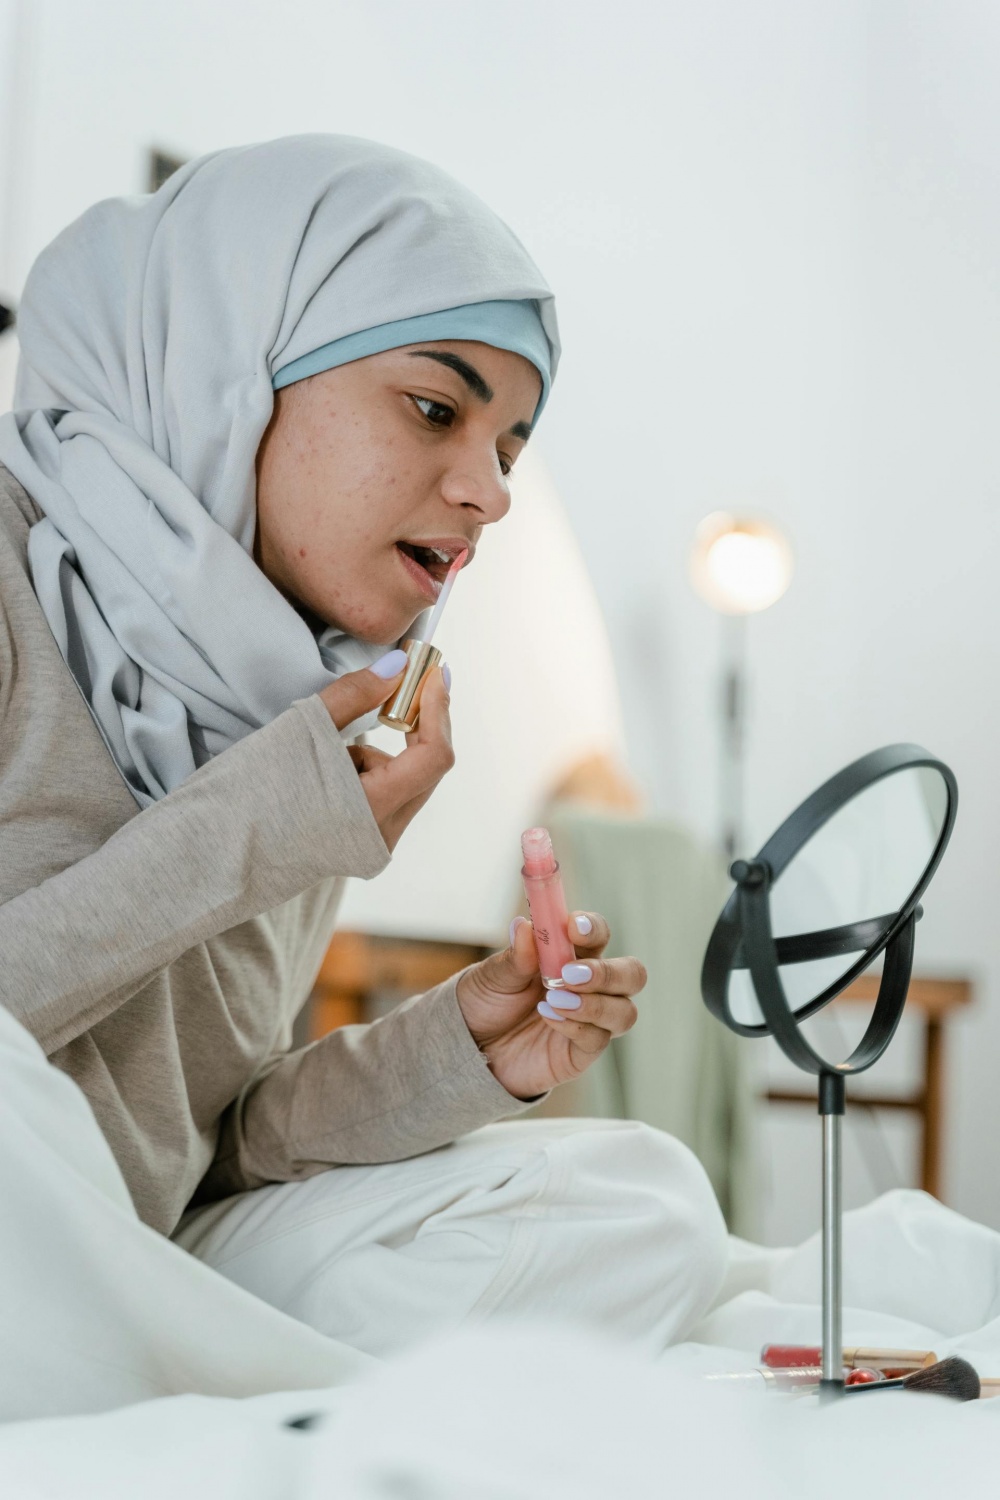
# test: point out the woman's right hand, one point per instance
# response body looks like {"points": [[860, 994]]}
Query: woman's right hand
{"points": [[397, 786]]}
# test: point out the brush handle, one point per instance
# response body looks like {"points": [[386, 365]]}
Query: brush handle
{"points": [[953, 1377]]}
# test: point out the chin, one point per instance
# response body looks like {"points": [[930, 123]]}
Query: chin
{"points": [[372, 616], [383, 631]]}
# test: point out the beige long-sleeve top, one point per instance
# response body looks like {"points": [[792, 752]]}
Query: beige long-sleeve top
{"points": [[160, 957]]}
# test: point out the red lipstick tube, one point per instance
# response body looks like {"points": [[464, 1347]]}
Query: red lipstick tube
{"points": [[890, 1362], [547, 905]]}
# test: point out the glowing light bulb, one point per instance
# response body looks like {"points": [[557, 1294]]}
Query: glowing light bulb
{"points": [[740, 565]]}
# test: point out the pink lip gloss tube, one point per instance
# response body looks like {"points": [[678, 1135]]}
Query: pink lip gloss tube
{"points": [[547, 905]]}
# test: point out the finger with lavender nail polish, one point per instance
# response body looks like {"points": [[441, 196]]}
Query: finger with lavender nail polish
{"points": [[390, 665]]}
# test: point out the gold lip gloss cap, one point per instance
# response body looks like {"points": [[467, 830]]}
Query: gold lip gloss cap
{"points": [[402, 711]]}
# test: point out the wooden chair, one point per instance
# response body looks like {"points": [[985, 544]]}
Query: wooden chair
{"points": [[934, 1001]]}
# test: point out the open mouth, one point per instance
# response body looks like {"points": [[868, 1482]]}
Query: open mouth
{"points": [[433, 560]]}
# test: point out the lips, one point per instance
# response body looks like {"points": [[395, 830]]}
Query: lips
{"points": [[428, 563], [434, 560]]}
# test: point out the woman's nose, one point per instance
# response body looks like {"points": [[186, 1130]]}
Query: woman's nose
{"points": [[481, 487]]}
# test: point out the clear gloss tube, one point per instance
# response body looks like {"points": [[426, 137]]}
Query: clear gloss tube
{"points": [[547, 905]]}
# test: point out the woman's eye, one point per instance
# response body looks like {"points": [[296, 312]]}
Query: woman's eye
{"points": [[436, 412], [506, 464]]}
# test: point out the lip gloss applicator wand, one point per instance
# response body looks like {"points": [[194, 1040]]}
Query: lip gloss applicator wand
{"points": [[403, 709]]}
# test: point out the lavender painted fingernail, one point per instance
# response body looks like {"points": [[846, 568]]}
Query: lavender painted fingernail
{"points": [[446, 674], [544, 1009], [577, 973], [512, 930], [583, 925], [564, 1000], [390, 665]]}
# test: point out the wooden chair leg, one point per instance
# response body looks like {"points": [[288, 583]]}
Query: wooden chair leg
{"points": [[933, 1110]]}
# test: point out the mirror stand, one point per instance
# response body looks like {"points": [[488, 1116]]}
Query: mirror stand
{"points": [[832, 1099], [754, 881]]}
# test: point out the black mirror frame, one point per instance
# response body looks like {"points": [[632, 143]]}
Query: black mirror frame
{"points": [[742, 935]]}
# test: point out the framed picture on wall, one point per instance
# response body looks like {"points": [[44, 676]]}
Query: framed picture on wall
{"points": [[159, 166]]}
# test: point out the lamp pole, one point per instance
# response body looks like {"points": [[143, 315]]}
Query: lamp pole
{"points": [[739, 565], [733, 740]]}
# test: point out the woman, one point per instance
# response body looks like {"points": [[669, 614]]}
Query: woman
{"points": [[256, 416]]}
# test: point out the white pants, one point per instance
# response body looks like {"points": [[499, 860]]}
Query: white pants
{"points": [[607, 1223]]}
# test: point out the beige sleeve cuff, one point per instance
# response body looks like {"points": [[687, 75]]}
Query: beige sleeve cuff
{"points": [[358, 839]]}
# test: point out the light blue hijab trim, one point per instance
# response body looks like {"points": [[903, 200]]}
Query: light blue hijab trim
{"points": [[516, 326]]}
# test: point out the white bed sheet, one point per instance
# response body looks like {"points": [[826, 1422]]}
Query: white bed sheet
{"points": [[101, 1314], [543, 1413]]}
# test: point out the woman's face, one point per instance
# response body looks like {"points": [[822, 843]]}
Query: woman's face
{"points": [[371, 477]]}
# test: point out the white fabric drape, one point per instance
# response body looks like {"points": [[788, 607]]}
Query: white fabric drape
{"points": [[100, 1310], [150, 331]]}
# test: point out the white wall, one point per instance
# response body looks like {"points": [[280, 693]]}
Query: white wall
{"points": [[774, 230]]}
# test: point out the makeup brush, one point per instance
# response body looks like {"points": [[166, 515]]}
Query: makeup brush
{"points": [[952, 1377]]}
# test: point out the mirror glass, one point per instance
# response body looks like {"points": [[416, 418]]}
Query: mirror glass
{"points": [[861, 866]]}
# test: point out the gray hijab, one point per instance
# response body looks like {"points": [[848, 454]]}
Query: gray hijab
{"points": [[151, 331]]}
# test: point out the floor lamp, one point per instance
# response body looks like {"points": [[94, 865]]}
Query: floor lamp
{"points": [[739, 566]]}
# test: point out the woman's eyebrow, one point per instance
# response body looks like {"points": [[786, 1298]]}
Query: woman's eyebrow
{"points": [[475, 382]]}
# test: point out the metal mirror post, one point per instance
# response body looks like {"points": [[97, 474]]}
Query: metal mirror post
{"points": [[836, 887]]}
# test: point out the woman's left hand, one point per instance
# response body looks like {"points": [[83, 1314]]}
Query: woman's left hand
{"points": [[530, 1053]]}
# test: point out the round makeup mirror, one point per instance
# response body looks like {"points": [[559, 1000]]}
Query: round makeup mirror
{"points": [[835, 888]]}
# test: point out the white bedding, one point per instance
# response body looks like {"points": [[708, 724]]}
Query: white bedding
{"points": [[544, 1414], [108, 1314]]}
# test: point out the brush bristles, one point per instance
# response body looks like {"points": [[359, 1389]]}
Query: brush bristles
{"points": [[952, 1377]]}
